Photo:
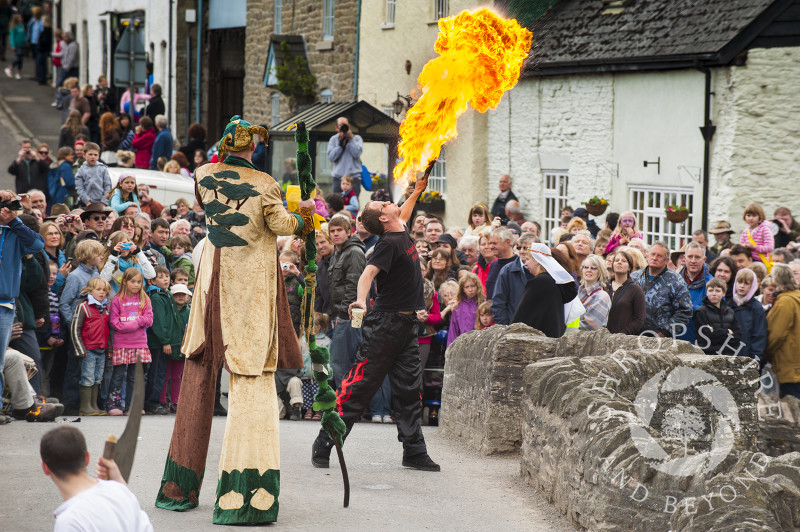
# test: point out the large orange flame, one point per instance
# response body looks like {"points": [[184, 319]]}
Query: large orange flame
{"points": [[480, 57]]}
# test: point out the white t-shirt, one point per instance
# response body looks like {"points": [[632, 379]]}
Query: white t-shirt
{"points": [[107, 506]]}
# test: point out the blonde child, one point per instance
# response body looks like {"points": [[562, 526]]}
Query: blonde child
{"points": [[626, 231], [448, 291], [123, 195], [468, 298], [90, 334], [757, 236], [310, 386], [485, 316], [131, 315], [750, 315], [120, 255]]}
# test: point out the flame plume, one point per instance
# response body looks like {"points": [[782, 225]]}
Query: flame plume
{"points": [[480, 57]]}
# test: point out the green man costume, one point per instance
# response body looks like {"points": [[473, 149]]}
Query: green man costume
{"points": [[239, 316]]}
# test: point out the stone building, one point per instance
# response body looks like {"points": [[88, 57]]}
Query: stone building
{"points": [[396, 40], [613, 98]]}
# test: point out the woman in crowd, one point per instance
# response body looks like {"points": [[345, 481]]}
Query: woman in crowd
{"points": [[87, 91], [594, 299], [576, 224], [439, 269], [126, 224], [627, 312], [183, 162], [71, 129], [53, 242], [60, 178], [111, 136], [127, 132], [572, 259], [199, 159], [724, 268], [143, 140], [543, 303], [783, 331]]}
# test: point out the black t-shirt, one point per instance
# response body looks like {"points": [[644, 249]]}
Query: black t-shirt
{"points": [[399, 281]]}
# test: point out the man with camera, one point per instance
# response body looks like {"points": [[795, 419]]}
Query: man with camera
{"points": [[785, 228], [16, 240], [29, 170], [344, 151]]}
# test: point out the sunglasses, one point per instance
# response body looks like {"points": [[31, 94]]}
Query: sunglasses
{"points": [[99, 218], [44, 152]]}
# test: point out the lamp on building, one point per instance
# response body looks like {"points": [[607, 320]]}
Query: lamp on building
{"points": [[654, 163], [398, 106]]}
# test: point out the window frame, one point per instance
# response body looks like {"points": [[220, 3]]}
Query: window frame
{"points": [[554, 198], [647, 203], [277, 23], [328, 19], [390, 14], [275, 108], [437, 180], [441, 9]]}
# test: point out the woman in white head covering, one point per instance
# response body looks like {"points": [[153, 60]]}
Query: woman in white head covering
{"points": [[549, 301]]}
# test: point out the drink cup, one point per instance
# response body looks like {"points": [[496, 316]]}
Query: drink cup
{"points": [[358, 317]]}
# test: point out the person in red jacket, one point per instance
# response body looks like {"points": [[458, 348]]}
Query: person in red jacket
{"points": [[89, 332], [143, 140]]}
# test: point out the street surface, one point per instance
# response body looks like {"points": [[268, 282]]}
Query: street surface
{"points": [[472, 492]]}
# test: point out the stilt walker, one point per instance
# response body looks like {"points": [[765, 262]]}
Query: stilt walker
{"points": [[240, 315]]}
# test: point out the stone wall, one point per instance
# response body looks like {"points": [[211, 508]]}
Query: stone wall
{"points": [[483, 381], [332, 62]]}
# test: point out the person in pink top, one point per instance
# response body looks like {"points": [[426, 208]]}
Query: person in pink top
{"points": [[131, 315], [625, 231], [143, 140], [757, 236]]}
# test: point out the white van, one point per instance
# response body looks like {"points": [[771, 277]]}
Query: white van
{"points": [[164, 188]]}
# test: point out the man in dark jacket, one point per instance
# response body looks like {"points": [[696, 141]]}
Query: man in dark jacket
{"points": [[695, 274], [29, 171], [511, 284], [669, 307], [344, 270], [506, 195], [155, 106]]}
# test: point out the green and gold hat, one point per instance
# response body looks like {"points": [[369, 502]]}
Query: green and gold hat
{"points": [[238, 135]]}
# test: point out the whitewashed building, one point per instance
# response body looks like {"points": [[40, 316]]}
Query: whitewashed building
{"points": [[614, 96]]}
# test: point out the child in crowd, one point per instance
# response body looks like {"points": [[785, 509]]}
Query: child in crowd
{"points": [[131, 314], [162, 338], [447, 299], [179, 276], [17, 42], [180, 295], [757, 236], [715, 322], [90, 332], [750, 315], [624, 233], [120, 255], [181, 248], [349, 196], [123, 195], [485, 315], [89, 504], [52, 338], [61, 178], [767, 296], [469, 297], [89, 254], [310, 386], [429, 319], [294, 286], [479, 220], [92, 181]]}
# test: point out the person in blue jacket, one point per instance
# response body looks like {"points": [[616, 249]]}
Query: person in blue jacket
{"points": [[16, 240], [696, 275], [61, 178], [123, 195]]}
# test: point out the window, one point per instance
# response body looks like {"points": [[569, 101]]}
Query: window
{"points": [[326, 96], [437, 181], [555, 198], [327, 19], [648, 204], [390, 10], [276, 108], [441, 9], [270, 72], [277, 28]]}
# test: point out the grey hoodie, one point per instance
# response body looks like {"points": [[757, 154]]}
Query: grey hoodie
{"points": [[93, 183]]}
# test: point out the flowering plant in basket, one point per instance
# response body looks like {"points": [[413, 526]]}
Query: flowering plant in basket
{"points": [[596, 205], [677, 213]]}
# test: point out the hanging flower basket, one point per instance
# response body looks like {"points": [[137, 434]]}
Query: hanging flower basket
{"points": [[596, 206], [677, 213]]}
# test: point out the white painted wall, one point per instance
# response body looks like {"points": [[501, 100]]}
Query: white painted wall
{"points": [[156, 33]]}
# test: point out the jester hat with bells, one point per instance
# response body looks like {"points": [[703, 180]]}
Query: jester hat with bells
{"points": [[238, 136]]}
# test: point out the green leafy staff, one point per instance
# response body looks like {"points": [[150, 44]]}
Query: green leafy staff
{"points": [[325, 399]]}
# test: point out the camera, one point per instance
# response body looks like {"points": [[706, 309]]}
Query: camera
{"points": [[12, 204], [69, 218], [775, 227], [285, 266], [344, 128], [173, 210], [127, 246]]}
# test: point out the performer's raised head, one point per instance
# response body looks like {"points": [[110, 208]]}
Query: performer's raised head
{"points": [[381, 216], [237, 138]]}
